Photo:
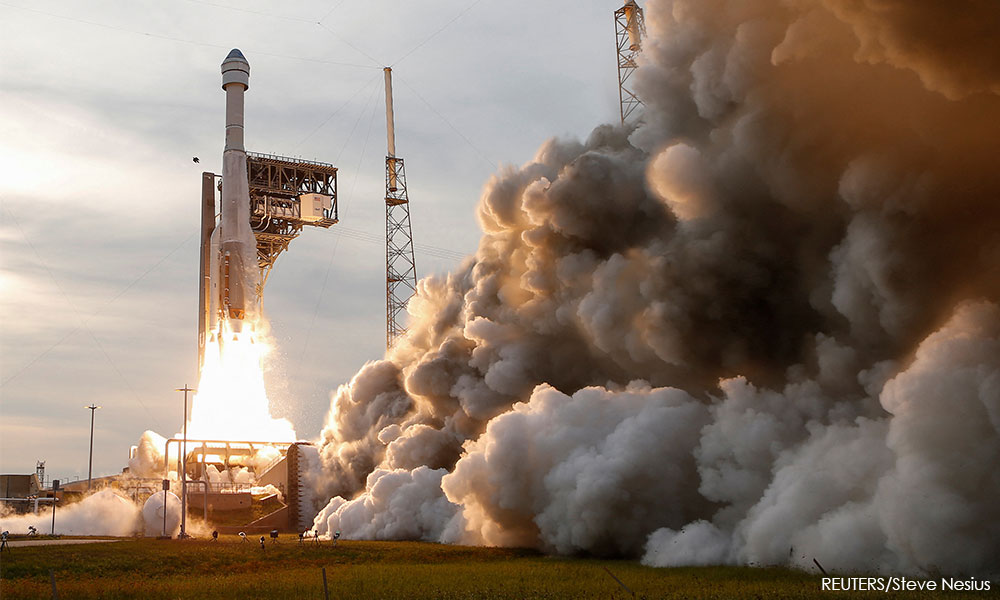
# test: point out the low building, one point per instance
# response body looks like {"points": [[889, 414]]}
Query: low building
{"points": [[19, 486]]}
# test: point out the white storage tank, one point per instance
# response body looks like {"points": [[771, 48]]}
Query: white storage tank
{"points": [[153, 518]]}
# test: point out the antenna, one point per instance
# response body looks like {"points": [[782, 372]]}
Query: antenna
{"points": [[630, 26], [400, 268]]}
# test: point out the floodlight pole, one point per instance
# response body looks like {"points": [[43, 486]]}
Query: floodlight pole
{"points": [[55, 500], [90, 466], [183, 534]]}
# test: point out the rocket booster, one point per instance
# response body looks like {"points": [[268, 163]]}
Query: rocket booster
{"points": [[237, 254]]}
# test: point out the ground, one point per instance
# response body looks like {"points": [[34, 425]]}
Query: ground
{"points": [[231, 568]]}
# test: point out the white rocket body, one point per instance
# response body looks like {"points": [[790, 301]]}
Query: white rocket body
{"points": [[237, 274]]}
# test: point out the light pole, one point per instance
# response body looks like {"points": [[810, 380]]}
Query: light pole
{"points": [[183, 533], [55, 500], [90, 465]]}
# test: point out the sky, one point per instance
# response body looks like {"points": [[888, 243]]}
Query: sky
{"points": [[104, 103]]}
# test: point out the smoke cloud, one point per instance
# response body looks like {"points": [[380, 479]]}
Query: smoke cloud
{"points": [[761, 326]]}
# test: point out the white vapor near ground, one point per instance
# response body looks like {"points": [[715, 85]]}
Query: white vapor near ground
{"points": [[102, 513]]}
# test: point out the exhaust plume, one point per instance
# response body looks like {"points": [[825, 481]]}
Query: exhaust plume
{"points": [[762, 326]]}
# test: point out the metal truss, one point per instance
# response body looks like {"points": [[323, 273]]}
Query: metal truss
{"points": [[276, 183], [628, 17], [400, 268]]}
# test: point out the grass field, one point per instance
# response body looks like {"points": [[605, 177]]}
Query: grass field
{"points": [[231, 568]]}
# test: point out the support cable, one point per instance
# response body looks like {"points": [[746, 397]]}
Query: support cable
{"points": [[330, 12], [421, 249], [433, 35], [99, 310], [374, 60], [335, 112], [79, 317], [492, 164], [369, 102], [252, 12], [336, 243], [72, 304], [182, 40]]}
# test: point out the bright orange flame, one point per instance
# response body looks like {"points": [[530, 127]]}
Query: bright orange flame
{"points": [[231, 403]]}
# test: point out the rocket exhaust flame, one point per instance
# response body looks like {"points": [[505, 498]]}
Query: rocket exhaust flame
{"points": [[231, 402]]}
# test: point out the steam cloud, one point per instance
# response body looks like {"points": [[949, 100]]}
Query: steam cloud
{"points": [[762, 326], [101, 513]]}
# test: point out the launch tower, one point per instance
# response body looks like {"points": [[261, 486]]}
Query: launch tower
{"points": [[287, 194]]}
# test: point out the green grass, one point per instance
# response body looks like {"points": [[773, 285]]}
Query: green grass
{"points": [[232, 569]]}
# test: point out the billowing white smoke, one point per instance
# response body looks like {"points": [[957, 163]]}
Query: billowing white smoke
{"points": [[911, 491], [147, 459], [761, 326], [589, 472], [398, 505], [148, 462], [102, 513]]}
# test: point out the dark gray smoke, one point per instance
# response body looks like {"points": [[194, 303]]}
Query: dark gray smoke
{"points": [[761, 326]]}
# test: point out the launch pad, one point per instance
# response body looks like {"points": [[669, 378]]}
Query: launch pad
{"points": [[264, 201], [222, 500]]}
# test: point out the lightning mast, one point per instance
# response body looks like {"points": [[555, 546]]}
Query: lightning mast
{"points": [[400, 268], [630, 26]]}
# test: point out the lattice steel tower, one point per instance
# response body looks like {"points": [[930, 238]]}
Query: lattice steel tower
{"points": [[630, 26], [400, 268]]}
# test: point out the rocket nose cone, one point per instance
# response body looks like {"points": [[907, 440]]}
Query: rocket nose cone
{"points": [[236, 69], [235, 57]]}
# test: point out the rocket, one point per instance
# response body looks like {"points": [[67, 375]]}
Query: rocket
{"points": [[228, 278], [234, 264]]}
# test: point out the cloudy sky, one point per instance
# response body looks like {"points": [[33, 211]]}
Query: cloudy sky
{"points": [[104, 103]]}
